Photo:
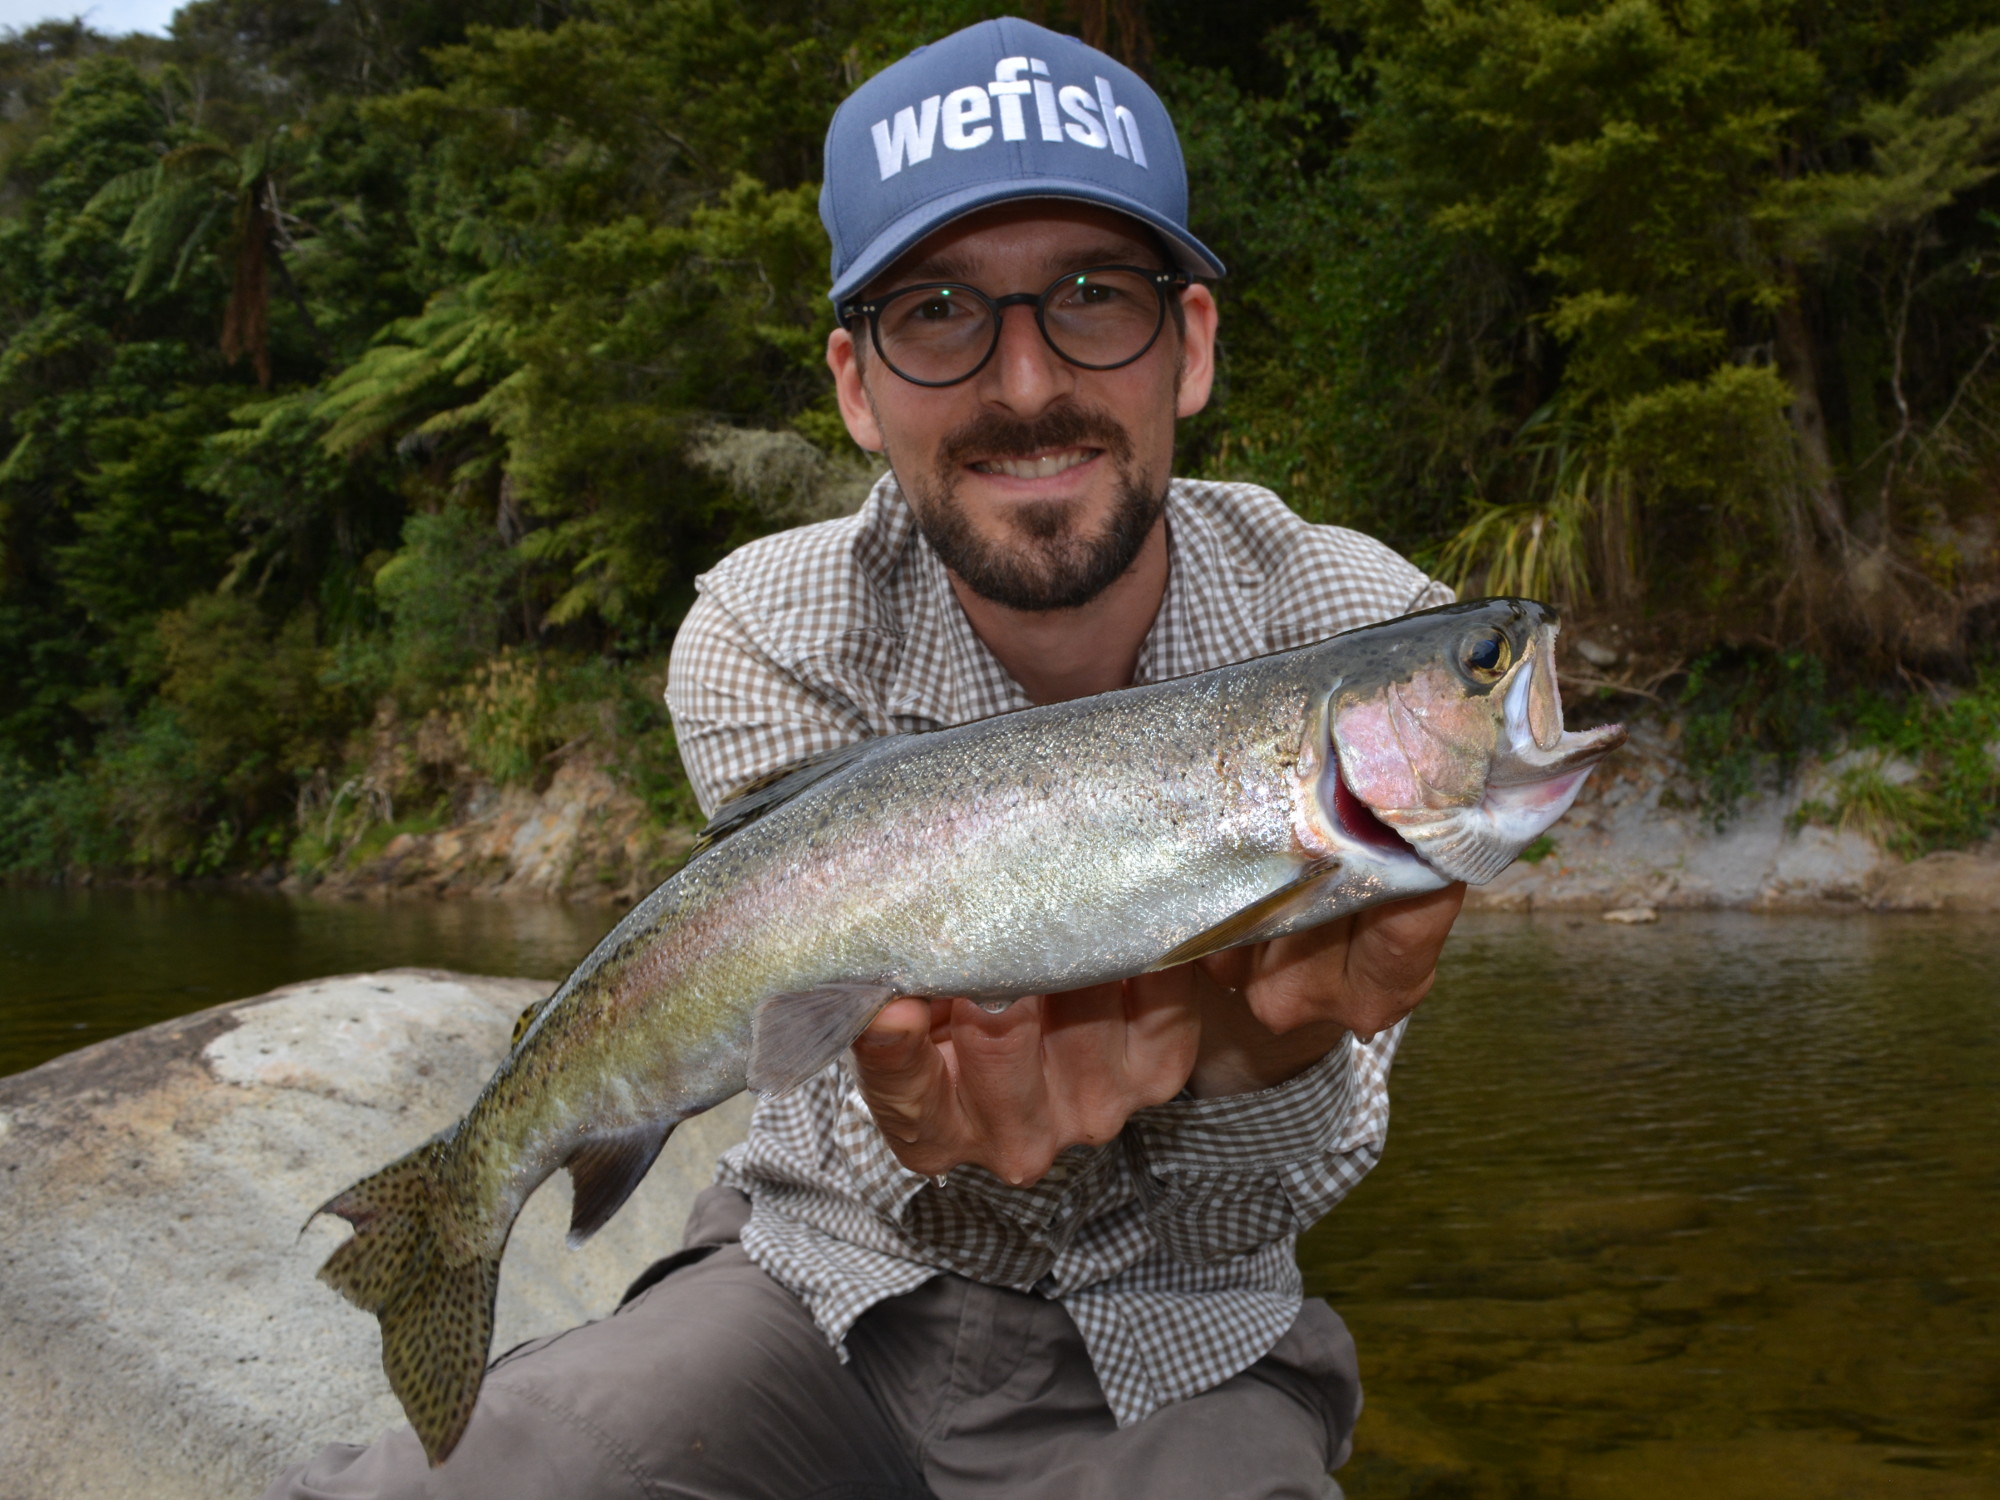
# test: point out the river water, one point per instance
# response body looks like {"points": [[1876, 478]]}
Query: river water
{"points": [[1710, 1208], [79, 966], [1707, 1208]]}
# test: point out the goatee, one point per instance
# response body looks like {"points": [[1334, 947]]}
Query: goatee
{"points": [[1048, 561]]}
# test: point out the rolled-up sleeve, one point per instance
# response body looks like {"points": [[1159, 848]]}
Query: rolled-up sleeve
{"points": [[1222, 1177]]}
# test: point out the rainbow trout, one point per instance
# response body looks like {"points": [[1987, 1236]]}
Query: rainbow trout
{"points": [[1039, 851]]}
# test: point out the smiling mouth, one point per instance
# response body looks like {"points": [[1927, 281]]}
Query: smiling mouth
{"points": [[1036, 466]]}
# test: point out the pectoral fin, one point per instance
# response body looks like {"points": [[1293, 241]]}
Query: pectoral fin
{"points": [[794, 1035], [1267, 917]]}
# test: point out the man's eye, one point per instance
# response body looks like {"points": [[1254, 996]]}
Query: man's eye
{"points": [[1089, 293], [935, 310]]}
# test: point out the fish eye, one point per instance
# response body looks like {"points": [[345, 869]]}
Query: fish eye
{"points": [[1486, 655]]}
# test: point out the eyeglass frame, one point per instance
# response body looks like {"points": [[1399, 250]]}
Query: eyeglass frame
{"points": [[871, 308]]}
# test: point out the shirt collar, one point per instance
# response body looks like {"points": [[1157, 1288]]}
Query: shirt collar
{"points": [[946, 675]]}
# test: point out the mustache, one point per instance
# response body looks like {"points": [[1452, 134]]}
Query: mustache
{"points": [[994, 434]]}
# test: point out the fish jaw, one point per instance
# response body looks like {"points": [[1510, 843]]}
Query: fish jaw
{"points": [[1468, 778]]}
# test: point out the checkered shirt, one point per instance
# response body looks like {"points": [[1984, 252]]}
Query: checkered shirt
{"points": [[1172, 1246]]}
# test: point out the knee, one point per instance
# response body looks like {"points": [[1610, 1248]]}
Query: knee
{"points": [[683, 1375], [1316, 1363]]}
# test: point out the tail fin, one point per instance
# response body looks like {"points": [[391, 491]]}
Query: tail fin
{"points": [[434, 1302]]}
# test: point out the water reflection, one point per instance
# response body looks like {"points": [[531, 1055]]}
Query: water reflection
{"points": [[1707, 1208], [77, 966]]}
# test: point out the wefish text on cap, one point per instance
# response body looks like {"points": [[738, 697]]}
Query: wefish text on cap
{"points": [[1094, 122], [999, 111]]}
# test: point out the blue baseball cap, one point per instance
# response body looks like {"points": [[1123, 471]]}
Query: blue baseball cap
{"points": [[1000, 111]]}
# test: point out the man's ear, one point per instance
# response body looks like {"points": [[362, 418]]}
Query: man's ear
{"points": [[1197, 351], [845, 361]]}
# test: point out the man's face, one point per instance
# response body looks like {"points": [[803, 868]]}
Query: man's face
{"points": [[1036, 481]]}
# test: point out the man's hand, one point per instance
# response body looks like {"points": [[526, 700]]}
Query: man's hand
{"points": [[1272, 1010], [950, 1083]]}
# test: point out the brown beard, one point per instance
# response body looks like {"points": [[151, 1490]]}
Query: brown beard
{"points": [[1047, 562]]}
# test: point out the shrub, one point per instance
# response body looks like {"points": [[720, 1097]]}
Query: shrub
{"points": [[446, 595]]}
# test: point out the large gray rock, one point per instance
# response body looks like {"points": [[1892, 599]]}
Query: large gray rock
{"points": [[161, 1330]]}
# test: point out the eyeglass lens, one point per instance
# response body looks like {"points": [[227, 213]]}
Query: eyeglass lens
{"points": [[1098, 319]]}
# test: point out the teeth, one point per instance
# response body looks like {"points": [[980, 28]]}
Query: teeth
{"points": [[1042, 466]]}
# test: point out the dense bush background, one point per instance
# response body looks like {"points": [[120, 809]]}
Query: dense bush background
{"points": [[382, 376]]}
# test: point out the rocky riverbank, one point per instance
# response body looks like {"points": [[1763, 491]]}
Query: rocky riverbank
{"points": [[583, 837], [1637, 837], [162, 1330]]}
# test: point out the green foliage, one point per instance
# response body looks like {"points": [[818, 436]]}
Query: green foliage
{"points": [[1929, 147], [364, 369], [519, 712], [252, 716], [1714, 469], [1539, 548], [1351, 382], [1748, 718], [1620, 150], [1950, 796], [51, 824], [446, 595]]}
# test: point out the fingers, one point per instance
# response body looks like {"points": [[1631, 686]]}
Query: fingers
{"points": [[1004, 1118], [1100, 1066], [1392, 957], [1394, 950], [1363, 973], [1163, 1018], [1010, 1091], [903, 1072], [950, 1083], [1271, 1010]]}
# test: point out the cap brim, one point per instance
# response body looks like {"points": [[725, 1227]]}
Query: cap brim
{"points": [[1190, 254]]}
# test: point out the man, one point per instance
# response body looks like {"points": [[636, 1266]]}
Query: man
{"points": [[1045, 1252]]}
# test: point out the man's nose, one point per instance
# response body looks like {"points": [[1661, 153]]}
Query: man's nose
{"points": [[1025, 375]]}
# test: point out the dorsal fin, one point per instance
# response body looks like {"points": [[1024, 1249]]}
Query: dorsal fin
{"points": [[753, 799], [524, 1021]]}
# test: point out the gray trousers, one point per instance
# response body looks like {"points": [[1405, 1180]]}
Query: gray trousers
{"points": [[711, 1382]]}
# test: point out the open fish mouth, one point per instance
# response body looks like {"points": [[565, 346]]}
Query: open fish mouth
{"points": [[1464, 765], [1356, 819]]}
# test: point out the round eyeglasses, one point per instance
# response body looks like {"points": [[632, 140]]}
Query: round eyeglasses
{"points": [[942, 332]]}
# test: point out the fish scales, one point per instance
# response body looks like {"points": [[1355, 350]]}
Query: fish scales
{"points": [[1034, 852]]}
